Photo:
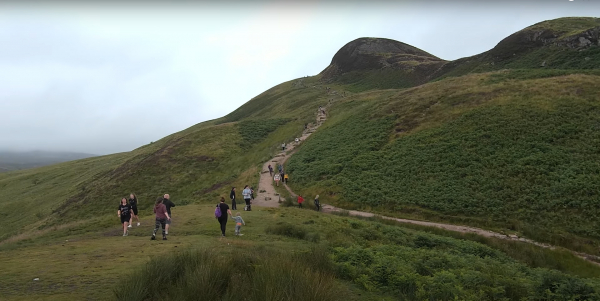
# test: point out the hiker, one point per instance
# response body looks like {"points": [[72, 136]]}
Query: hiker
{"points": [[320, 108], [281, 175], [247, 194], [133, 202], [221, 213], [286, 178], [232, 197], [270, 170], [162, 216], [279, 167], [252, 194], [283, 146], [238, 223], [168, 204], [124, 212], [300, 201], [297, 140], [317, 203], [305, 126], [277, 178]]}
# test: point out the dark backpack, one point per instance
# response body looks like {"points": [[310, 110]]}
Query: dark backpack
{"points": [[218, 211]]}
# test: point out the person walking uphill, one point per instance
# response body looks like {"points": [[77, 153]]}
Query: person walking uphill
{"points": [[221, 213], [124, 212], [168, 204], [247, 193], [300, 201], [232, 197], [317, 203], [162, 216]]}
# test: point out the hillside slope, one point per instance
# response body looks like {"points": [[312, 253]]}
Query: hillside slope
{"points": [[565, 43], [511, 150], [22, 160]]}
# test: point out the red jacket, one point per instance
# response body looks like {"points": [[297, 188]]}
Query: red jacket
{"points": [[300, 200]]}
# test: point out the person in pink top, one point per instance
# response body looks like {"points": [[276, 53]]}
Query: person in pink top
{"points": [[161, 217]]}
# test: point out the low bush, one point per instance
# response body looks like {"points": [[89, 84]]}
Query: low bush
{"points": [[257, 274]]}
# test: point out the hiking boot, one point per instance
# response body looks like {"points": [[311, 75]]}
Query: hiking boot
{"points": [[164, 238], [153, 237], [138, 224], [129, 226]]}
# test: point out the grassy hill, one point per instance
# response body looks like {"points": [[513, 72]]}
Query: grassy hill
{"points": [[496, 141]]}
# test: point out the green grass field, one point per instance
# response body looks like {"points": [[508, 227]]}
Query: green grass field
{"points": [[361, 259]]}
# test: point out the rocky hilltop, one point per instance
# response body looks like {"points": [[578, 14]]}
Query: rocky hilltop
{"points": [[377, 53]]}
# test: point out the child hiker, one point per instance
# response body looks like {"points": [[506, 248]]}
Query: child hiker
{"points": [[238, 223], [161, 217]]}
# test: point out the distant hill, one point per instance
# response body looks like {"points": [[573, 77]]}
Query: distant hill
{"points": [[22, 160], [506, 140]]}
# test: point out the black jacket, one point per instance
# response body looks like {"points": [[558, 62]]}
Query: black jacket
{"points": [[232, 195], [168, 204]]}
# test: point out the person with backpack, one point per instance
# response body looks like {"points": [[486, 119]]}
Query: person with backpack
{"points": [[283, 146], [221, 213], [168, 204], [133, 202], [238, 223], [124, 212], [317, 203], [232, 197], [162, 216], [247, 194], [300, 201]]}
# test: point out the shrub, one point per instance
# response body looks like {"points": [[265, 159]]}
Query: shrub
{"points": [[288, 230], [256, 274]]}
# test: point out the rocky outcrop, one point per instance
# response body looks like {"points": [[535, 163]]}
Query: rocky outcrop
{"points": [[527, 39], [376, 53]]}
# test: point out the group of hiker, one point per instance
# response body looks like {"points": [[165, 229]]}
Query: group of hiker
{"points": [[247, 194], [128, 209], [280, 176], [316, 202]]}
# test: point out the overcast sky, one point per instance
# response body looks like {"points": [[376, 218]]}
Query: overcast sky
{"points": [[106, 78]]}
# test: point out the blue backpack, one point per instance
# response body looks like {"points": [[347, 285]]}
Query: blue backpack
{"points": [[218, 211]]}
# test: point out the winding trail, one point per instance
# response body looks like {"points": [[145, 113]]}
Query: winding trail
{"points": [[268, 197]]}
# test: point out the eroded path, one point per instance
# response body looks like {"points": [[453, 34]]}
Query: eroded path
{"points": [[270, 198], [267, 196]]}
